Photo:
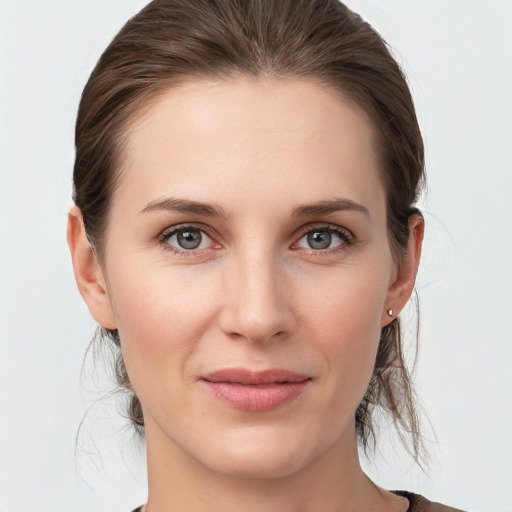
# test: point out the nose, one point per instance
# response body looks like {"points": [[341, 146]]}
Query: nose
{"points": [[257, 300]]}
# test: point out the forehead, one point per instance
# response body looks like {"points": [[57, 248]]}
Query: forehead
{"points": [[244, 139]]}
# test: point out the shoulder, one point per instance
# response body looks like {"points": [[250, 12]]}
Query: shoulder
{"points": [[420, 504]]}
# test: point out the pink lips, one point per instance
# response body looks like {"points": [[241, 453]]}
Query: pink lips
{"points": [[255, 391]]}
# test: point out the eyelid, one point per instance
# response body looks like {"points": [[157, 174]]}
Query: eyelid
{"points": [[308, 228], [168, 232], [345, 235]]}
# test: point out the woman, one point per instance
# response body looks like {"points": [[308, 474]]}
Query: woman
{"points": [[245, 232]]}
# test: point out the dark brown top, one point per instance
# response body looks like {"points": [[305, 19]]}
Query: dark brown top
{"points": [[417, 503]]}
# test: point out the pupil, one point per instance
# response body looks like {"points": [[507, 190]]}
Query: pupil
{"points": [[189, 239], [319, 239]]}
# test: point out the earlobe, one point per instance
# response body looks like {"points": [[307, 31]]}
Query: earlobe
{"points": [[88, 274], [402, 287]]}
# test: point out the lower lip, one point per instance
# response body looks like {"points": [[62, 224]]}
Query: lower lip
{"points": [[253, 398]]}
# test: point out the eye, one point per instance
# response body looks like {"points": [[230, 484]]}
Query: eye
{"points": [[324, 238], [186, 238]]}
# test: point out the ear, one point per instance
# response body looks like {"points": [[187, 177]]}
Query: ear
{"points": [[88, 274], [403, 284]]}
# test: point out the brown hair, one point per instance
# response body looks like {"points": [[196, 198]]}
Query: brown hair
{"points": [[170, 41]]}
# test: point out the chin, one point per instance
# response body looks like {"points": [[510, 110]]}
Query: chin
{"points": [[257, 466], [259, 453]]}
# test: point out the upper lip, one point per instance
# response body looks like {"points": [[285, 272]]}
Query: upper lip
{"points": [[252, 377]]}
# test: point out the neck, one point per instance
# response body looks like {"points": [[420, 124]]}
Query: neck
{"points": [[334, 482]]}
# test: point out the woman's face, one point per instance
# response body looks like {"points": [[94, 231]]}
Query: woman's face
{"points": [[249, 272]]}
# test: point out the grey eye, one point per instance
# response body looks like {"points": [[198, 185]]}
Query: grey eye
{"points": [[320, 239], [189, 239]]}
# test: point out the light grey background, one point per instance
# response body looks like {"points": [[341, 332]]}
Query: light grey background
{"points": [[457, 55]]}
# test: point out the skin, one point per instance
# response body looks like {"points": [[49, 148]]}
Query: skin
{"points": [[254, 295]]}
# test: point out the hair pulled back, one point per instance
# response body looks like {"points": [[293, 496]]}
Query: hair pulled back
{"points": [[171, 41]]}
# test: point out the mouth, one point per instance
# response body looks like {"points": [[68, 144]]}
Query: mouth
{"points": [[249, 390]]}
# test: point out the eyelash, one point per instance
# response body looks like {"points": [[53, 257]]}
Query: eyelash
{"points": [[164, 236], [345, 236]]}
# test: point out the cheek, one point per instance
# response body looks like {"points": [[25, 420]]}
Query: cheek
{"points": [[162, 313], [345, 323], [349, 302]]}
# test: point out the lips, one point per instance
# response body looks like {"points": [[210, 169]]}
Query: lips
{"points": [[255, 390]]}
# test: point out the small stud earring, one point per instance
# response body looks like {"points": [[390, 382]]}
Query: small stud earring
{"points": [[390, 312]]}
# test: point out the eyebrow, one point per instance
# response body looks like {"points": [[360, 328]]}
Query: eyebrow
{"points": [[325, 207], [175, 204]]}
